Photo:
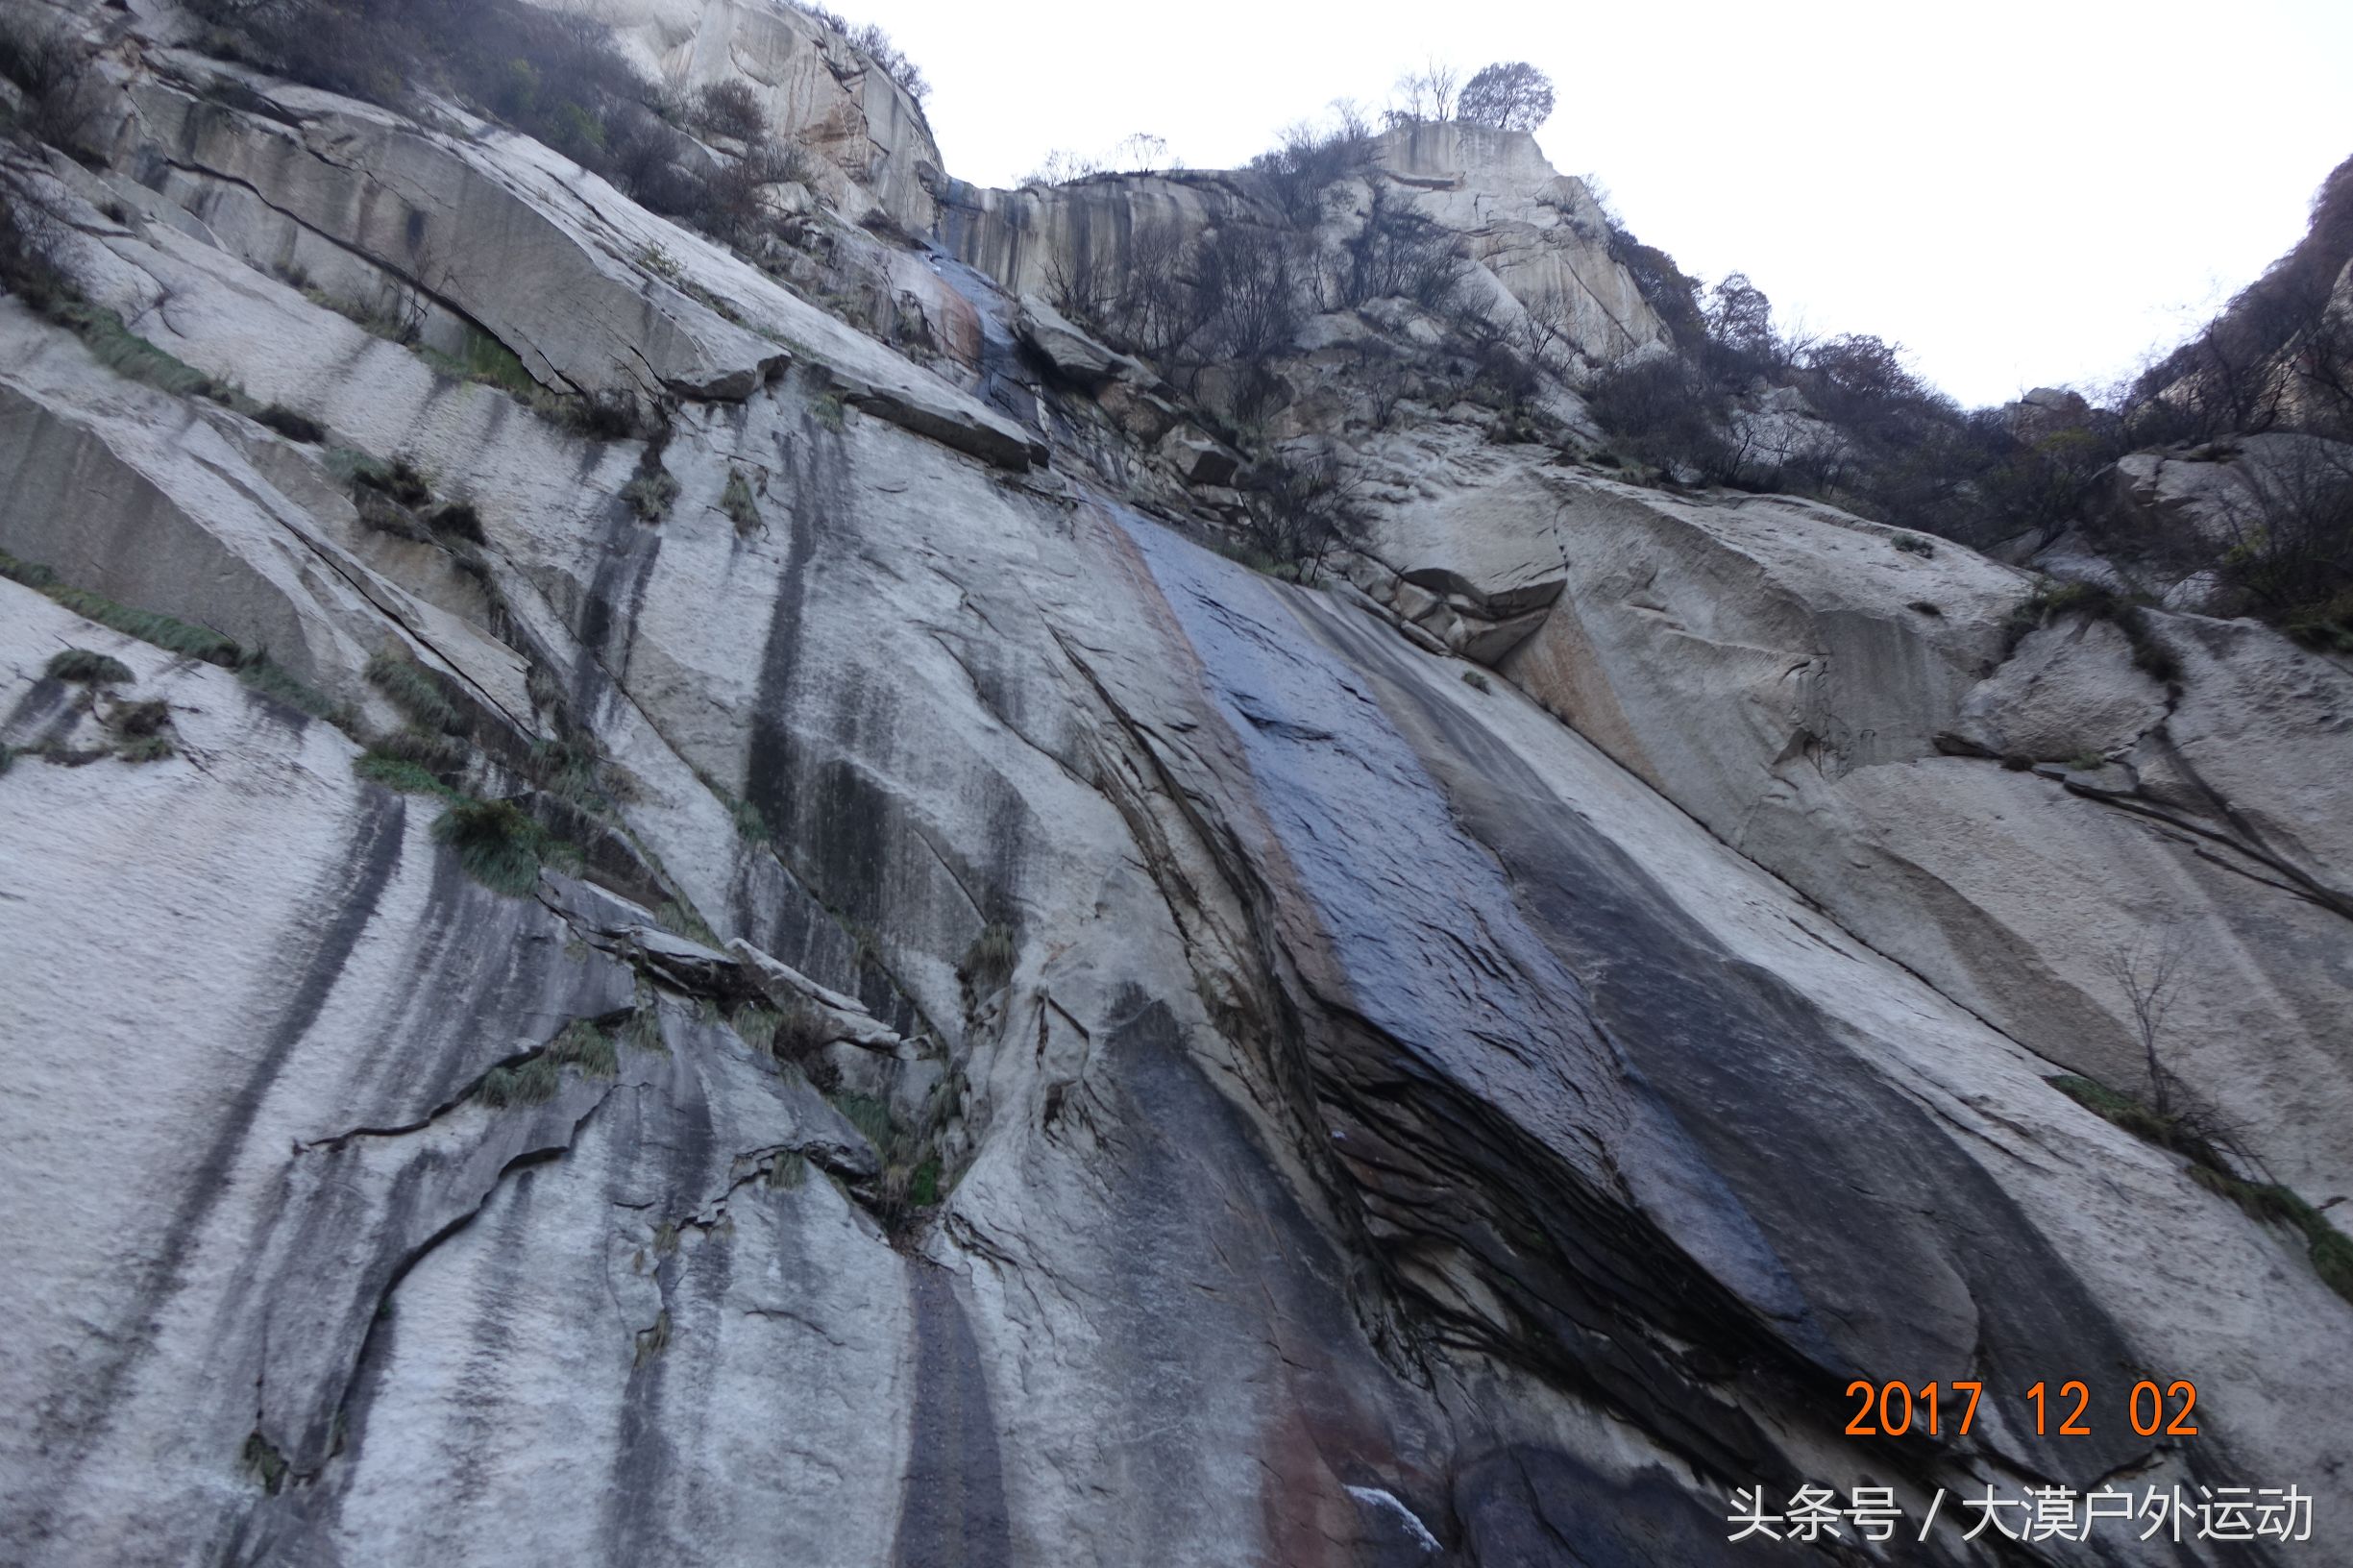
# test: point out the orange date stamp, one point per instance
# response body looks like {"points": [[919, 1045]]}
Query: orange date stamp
{"points": [[1897, 1409]]}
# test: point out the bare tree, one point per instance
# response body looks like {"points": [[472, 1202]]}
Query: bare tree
{"points": [[1061, 166], [1399, 250], [2147, 971], [1510, 95], [1425, 95], [58, 98], [731, 108], [1142, 153], [2292, 531], [1740, 322], [1350, 119], [1547, 331], [1300, 509]]}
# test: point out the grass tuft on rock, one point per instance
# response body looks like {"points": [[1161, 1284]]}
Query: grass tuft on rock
{"points": [[583, 1043], [426, 748], [529, 1083], [871, 1116], [275, 683], [137, 718], [263, 1462], [125, 353], [650, 493], [644, 1030], [497, 842], [652, 1341], [291, 424], [588, 1046], [87, 667], [987, 963], [2150, 656], [412, 689], [398, 773], [739, 503], [756, 1026]]}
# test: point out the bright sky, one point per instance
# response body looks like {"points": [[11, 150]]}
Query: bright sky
{"points": [[2021, 192]]}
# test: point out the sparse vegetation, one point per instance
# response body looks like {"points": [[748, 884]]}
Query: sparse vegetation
{"points": [[31, 237], [731, 108], [263, 675], [988, 963], [398, 773], [582, 1044], [293, 426], [163, 631], [644, 1030], [432, 748], [263, 1462], [1476, 680], [87, 667], [57, 96], [875, 44], [652, 1341], [649, 494], [2149, 653], [738, 503], [1298, 510], [414, 690], [497, 842], [556, 79], [872, 1118], [757, 1026], [137, 718], [2290, 555], [2194, 1138]]}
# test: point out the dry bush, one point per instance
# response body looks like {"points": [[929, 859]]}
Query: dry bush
{"points": [[731, 108]]}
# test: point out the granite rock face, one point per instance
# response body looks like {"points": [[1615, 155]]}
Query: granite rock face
{"points": [[894, 1007], [865, 132]]}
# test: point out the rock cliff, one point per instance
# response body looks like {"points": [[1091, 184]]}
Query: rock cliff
{"points": [[680, 908]]}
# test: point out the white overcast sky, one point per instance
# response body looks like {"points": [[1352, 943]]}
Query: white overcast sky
{"points": [[2021, 192]]}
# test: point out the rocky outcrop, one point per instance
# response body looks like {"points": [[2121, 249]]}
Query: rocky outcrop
{"points": [[811, 981], [1539, 238], [1832, 697], [865, 132]]}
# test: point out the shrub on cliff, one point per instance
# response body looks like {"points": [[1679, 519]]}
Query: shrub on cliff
{"points": [[31, 236], [1510, 95], [1298, 510], [875, 44], [1296, 173], [731, 108], [57, 100], [1401, 251]]}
